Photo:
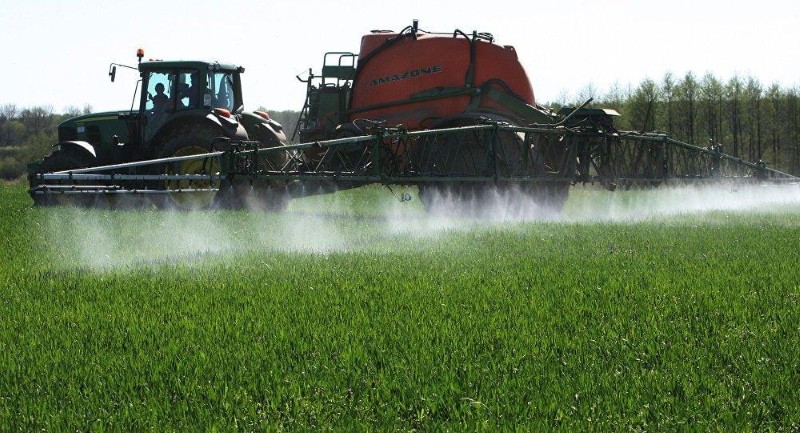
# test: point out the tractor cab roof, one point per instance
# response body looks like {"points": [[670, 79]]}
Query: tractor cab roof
{"points": [[157, 65]]}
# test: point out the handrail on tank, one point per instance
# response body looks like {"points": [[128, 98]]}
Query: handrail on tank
{"points": [[343, 69]]}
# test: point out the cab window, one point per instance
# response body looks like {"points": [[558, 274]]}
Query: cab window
{"points": [[159, 89], [190, 94], [220, 87]]}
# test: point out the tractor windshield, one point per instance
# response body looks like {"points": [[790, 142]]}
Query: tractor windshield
{"points": [[218, 91], [168, 91]]}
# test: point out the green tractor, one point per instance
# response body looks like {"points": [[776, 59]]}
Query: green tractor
{"points": [[184, 108]]}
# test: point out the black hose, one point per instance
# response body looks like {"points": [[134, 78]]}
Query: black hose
{"points": [[388, 43]]}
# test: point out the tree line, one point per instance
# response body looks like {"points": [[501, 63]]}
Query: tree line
{"points": [[27, 134], [750, 120]]}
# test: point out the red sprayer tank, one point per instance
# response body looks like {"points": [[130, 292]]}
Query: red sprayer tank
{"points": [[420, 79]]}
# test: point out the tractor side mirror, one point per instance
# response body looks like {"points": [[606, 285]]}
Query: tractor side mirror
{"points": [[112, 73]]}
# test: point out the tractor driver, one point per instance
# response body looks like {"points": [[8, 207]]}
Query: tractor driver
{"points": [[160, 100], [192, 92]]}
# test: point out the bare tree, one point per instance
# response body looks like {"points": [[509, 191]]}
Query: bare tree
{"points": [[586, 92], [668, 90], [793, 127], [688, 90], [753, 91], [774, 117], [711, 101], [71, 111], [8, 112], [641, 106], [733, 93], [36, 118]]}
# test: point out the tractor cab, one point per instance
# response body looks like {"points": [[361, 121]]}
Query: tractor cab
{"points": [[171, 87], [174, 90], [170, 97]]}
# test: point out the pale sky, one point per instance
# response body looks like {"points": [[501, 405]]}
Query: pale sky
{"points": [[57, 53]]}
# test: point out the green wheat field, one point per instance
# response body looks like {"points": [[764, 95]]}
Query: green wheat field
{"points": [[630, 311]]}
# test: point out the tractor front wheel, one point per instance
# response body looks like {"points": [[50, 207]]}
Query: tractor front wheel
{"points": [[59, 161]]}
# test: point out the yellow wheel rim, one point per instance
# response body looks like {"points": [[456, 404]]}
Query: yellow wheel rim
{"points": [[193, 200]]}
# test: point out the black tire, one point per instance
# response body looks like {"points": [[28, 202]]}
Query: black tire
{"points": [[455, 154], [464, 154], [467, 154], [556, 167], [184, 142]]}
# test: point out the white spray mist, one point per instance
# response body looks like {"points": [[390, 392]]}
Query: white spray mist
{"points": [[103, 240]]}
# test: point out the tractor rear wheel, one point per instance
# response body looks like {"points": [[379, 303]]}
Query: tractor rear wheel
{"points": [[189, 194]]}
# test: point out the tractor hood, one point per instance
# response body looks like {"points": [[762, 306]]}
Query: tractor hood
{"points": [[96, 128], [94, 117]]}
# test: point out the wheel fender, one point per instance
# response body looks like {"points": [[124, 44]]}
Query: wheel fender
{"points": [[226, 128], [76, 146], [348, 130], [266, 131], [218, 120], [232, 127], [273, 132]]}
